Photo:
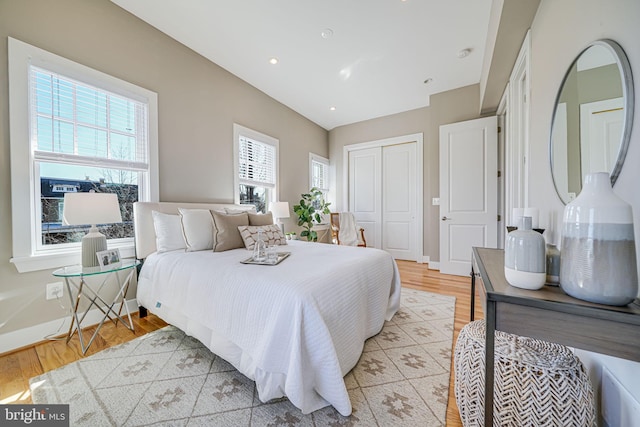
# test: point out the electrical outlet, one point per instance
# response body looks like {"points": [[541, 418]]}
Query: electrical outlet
{"points": [[435, 201], [54, 290]]}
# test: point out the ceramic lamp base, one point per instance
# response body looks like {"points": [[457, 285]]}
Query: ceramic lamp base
{"points": [[525, 279], [92, 242]]}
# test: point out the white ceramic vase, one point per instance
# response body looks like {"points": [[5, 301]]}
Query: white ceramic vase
{"points": [[524, 257], [598, 257]]}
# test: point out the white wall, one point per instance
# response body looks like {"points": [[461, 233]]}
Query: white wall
{"points": [[561, 29]]}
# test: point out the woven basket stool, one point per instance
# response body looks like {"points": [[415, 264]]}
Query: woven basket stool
{"points": [[536, 383]]}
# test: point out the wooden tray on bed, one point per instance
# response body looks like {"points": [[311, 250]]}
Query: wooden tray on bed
{"points": [[281, 256]]}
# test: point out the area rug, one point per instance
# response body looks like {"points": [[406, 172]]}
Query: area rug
{"points": [[167, 378]]}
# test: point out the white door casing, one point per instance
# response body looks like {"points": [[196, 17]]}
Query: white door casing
{"points": [[517, 135], [468, 191]]}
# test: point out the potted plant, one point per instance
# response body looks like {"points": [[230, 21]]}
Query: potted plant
{"points": [[309, 211]]}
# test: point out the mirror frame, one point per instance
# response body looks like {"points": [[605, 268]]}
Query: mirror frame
{"points": [[626, 78]]}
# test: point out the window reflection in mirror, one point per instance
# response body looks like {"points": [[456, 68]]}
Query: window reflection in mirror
{"points": [[592, 118]]}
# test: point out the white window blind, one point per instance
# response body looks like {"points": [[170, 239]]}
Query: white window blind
{"points": [[319, 172], [73, 122], [256, 163]]}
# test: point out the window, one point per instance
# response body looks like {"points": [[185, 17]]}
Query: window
{"points": [[74, 129], [256, 168], [319, 173]]}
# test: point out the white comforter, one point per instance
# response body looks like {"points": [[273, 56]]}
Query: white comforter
{"points": [[295, 328]]}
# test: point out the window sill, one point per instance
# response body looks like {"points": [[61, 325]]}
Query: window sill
{"points": [[50, 261]]}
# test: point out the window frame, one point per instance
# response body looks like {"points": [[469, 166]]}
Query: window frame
{"points": [[24, 200], [241, 131]]}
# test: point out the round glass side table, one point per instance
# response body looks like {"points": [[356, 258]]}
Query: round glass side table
{"points": [[78, 287]]}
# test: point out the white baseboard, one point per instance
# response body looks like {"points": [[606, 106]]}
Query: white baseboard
{"points": [[424, 260], [34, 334], [435, 265]]}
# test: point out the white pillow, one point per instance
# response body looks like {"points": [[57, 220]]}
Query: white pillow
{"points": [[197, 229], [231, 211], [168, 232]]}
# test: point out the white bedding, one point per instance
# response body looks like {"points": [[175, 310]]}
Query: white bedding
{"points": [[295, 328]]}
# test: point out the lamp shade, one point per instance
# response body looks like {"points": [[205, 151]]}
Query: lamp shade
{"points": [[90, 208], [279, 209]]}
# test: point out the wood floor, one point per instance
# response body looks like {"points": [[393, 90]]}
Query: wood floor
{"points": [[18, 366]]}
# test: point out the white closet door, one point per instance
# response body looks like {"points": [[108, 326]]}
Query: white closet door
{"points": [[399, 200], [365, 192]]}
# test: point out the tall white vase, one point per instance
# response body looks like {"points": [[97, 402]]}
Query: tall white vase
{"points": [[598, 257], [524, 257]]}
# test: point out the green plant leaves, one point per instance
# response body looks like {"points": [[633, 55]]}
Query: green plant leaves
{"points": [[309, 210]]}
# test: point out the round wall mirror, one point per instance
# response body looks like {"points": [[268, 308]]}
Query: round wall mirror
{"points": [[592, 118]]}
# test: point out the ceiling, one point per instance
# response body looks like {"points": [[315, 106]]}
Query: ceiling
{"points": [[374, 63]]}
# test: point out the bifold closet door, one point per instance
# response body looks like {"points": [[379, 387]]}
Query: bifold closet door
{"points": [[382, 196], [365, 195], [399, 200]]}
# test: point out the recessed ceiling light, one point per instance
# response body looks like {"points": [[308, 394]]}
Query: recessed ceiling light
{"points": [[327, 33], [332, 108], [464, 53], [273, 61], [427, 81]]}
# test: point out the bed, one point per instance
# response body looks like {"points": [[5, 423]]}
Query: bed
{"points": [[296, 328]]}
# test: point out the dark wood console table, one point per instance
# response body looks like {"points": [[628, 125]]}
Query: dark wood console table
{"points": [[547, 314]]}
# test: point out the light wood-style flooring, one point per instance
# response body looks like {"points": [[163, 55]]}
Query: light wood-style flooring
{"points": [[18, 366]]}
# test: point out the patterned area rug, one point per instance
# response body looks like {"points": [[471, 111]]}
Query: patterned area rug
{"points": [[167, 378]]}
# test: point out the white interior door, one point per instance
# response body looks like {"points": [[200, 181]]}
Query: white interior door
{"points": [[468, 191], [364, 192], [399, 200], [600, 134]]}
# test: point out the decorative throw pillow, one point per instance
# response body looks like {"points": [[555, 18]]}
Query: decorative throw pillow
{"points": [[168, 232], [260, 219], [272, 235], [227, 235], [197, 228]]}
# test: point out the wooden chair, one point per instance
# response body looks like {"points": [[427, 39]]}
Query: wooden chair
{"points": [[335, 231]]}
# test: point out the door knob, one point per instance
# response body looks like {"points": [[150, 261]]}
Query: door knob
{"points": [[444, 218]]}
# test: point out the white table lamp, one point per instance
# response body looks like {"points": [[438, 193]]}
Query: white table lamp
{"points": [[91, 209], [279, 210]]}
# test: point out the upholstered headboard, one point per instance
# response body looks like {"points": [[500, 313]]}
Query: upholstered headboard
{"points": [[145, 233]]}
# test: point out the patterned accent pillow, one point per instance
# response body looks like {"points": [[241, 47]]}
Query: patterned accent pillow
{"points": [[272, 235]]}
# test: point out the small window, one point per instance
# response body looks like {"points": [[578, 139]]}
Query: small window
{"points": [[256, 168], [319, 173]]}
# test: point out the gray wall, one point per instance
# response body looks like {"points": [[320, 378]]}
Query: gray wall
{"points": [[198, 104], [444, 108]]}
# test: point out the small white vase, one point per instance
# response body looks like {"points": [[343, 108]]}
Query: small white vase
{"points": [[524, 257], [598, 257]]}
